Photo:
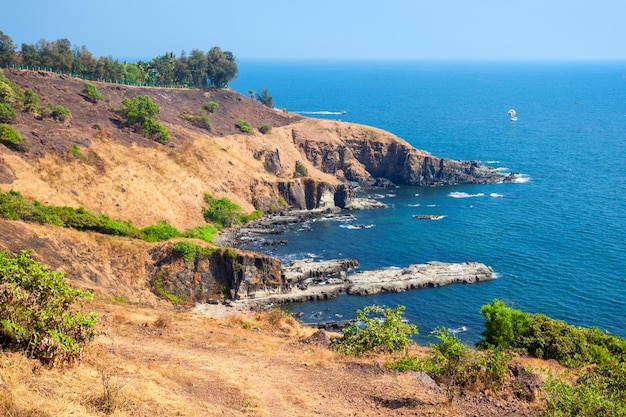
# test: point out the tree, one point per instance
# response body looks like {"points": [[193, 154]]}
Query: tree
{"points": [[198, 66], [7, 50], [221, 67], [265, 98]]}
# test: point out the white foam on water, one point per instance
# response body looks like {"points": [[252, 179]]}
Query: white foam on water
{"points": [[357, 226], [414, 205], [459, 194], [496, 195], [321, 112]]}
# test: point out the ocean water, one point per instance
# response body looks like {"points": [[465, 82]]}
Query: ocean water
{"points": [[557, 240]]}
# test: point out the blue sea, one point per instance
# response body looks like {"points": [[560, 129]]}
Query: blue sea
{"points": [[556, 240]]}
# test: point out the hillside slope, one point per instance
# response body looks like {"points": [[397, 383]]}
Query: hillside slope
{"points": [[127, 176]]}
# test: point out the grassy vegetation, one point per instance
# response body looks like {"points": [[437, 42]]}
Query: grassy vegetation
{"points": [[13, 206], [201, 120], [244, 126], [542, 337], [141, 115], [12, 139], [92, 92], [376, 329], [224, 213], [456, 366], [265, 129], [35, 315]]}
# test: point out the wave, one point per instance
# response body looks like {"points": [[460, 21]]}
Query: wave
{"points": [[322, 112], [375, 196], [357, 226], [520, 178], [430, 216], [496, 195], [458, 194], [414, 205], [503, 169]]}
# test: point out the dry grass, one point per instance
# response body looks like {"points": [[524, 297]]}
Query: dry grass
{"points": [[155, 362]]}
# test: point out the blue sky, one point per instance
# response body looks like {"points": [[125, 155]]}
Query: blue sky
{"points": [[330, 29]]}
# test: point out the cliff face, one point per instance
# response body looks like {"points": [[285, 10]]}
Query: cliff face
{"points": [[359, 153]]}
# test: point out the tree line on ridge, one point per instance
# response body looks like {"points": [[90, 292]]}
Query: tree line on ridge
{"points": [[215, 68]]}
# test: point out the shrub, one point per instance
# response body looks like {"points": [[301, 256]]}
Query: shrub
{"points": [[140, 113], [301, 169], [12, 139], [265, 98], [31, 101], [200, 121], [222, 212], [56, 112], [265, 129], [7, 114], [244, 126], [8, 92], [35, 311], [159, 232], [598, 392], [92, 92], [156, 131], [211, 106], [376, 329], [455, 365], [186, 250], [206, 233], [540, 336], [75, 150]]}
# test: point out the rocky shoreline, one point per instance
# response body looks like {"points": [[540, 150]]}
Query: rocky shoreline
{"points": [[309, 280]]}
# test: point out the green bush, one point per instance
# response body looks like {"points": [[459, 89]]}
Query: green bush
{"points": [[265, 129], [542, 337], [222, 212], [31, 101], [455, 365], [186, 250], [92, 92], [205, 232], [200, 121], [265, 98], [55, 111], [211, 106], [7, 114], [36, 315], [141, 115], [12, 139], [244, 126], [376, 329], [599, 391], [75, 150], [160, 232], [301, 170], [10, 93]]}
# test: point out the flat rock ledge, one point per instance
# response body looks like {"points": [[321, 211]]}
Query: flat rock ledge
{"points": [[313, 281]]}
